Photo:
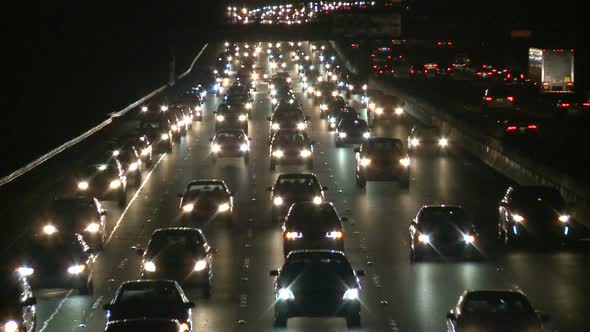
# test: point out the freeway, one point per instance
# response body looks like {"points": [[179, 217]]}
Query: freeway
{"points": [[396, 295]]}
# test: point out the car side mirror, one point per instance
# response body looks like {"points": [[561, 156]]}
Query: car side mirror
{"points": [[343, 219], [360, 273], [273, 273], [324, 188], [29, 302], [357, 150], [451, 316]]}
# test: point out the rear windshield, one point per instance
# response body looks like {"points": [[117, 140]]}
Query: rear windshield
{"points": [[304, 215], [301, 181], [496, 303], [144, 294], [290, 138], [312, 270], [386, 146]]}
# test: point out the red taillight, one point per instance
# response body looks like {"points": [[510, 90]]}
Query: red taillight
{"points": [[392, 71], [510, 98], [373, 55], [381, 72], [479, 73], [532, 126], [521, 76], [425, 71], [511, 128], [389, 57], [494, 70], [449, 43], [587, 104], [565, 105], [412, 71], [545, 83], [374, 66], [570, 84], [449, 69], [488, 98], [439, 43], [509, 76], [435, 65]]}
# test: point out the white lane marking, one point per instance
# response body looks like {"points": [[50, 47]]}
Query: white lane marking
{"points": [[56, 312], [147, 178]]}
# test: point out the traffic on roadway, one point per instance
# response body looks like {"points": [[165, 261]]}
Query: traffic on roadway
{"points": [[288, 193]]}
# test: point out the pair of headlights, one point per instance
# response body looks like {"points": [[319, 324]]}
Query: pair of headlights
{"points": [[200, 265]]}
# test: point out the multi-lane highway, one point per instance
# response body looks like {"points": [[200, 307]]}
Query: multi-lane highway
{"points": [[396, 295]]}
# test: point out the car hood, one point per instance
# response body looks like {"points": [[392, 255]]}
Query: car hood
{"points": [[499, 322]]}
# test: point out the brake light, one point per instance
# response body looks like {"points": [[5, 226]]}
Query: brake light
{"points": [[510, 98], [373, 55], [511, 128], [381, 72], [479, 73], [545, 83], [532, 126], [586, 104], [521, 76], [374, 66], [570, 84], [412, 72], [565, 105], [488, 98], [389, 57]]}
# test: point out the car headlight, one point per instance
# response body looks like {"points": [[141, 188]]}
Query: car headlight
{"points": [[278, 154], [164, 137], [564, 218], [254, 76], [332, 120], [145, 151], [305, 153], [10, 326], [188, 207], [335, 93], [517, 218], [285, 294], [25, 271], [301, 126], [215, 148], [414, 141], [379, 110], [272, 86], [224, 207], [274, 101], [275, 126], [443, 142], [336, 235], [293, 235], [115, 184], [323, 107], [116, 153], [175, 128], [405, 162], [365, 162], [278, 201], [317, 200], [49, 229], [342, 134], [200, 265], [164, 108], [248, 106], [244, 147], [83, 185], [242, 118], [468, 238], [149, 267], [93, 228], [76, 269], [351, 294], [367, 135], [399, 111], [424, 238], [372, 106], [133, 167], [220, 118], [350, 87], [318, 93]]}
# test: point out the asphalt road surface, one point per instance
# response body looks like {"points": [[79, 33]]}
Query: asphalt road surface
{"points": [[396, 295]]}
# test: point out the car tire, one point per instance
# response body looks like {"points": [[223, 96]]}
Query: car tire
{"points": [[353, 320], [280, 320]]}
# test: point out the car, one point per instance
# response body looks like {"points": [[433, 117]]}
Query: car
{"points": [[571, 103], [382, 159], [144, 325], [317, 283], [312, 226], [386, 107], [280, 91], [294, 120], [245, 77], [345, 113], [370, 95], [494, 310], [105, 180], [180, 254], [534, 214], [78, 215], [498, 97], [517, 128], [287, 105], [352, 131], [207, 199], [158, 132], [324, 89], [239, 94], [58, 260], [231, 116], [230, 143], [154, 299], [335, 104], [427, 138], [130, 158], [17, 304], [442, 230], [291, 146], [294, 187]]}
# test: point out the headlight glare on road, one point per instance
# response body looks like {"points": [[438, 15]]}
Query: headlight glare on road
{"points": [[188, 207], [351, 294], [317, 200], [25, 271], [93, 228], [468, 238], [424, 238], [517, 218], [83, 185], [149, 267], [10, 326], [224, 207], [220, 118], [443, 142], [49, 229], [76, 269], [200, 265], [278, 201], [305, 153], [564, 218], [405, 162], [115, 184], [285, 294]]}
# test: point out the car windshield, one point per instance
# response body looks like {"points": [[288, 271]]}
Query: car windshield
{"points": [[384, 146], [148, 294], [310, 216], [229, 136], [298, 182], [496, 302], [205, 187], [290, 138], [73, 208], [173, 242], [531, 196], [319, 271]]}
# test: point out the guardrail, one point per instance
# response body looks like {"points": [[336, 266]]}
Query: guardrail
{"points": [[44, 158]]}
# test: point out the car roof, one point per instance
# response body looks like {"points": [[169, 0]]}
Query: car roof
{"points": [[177, 230], [147, 282], [297, 175], [206, 181]]}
